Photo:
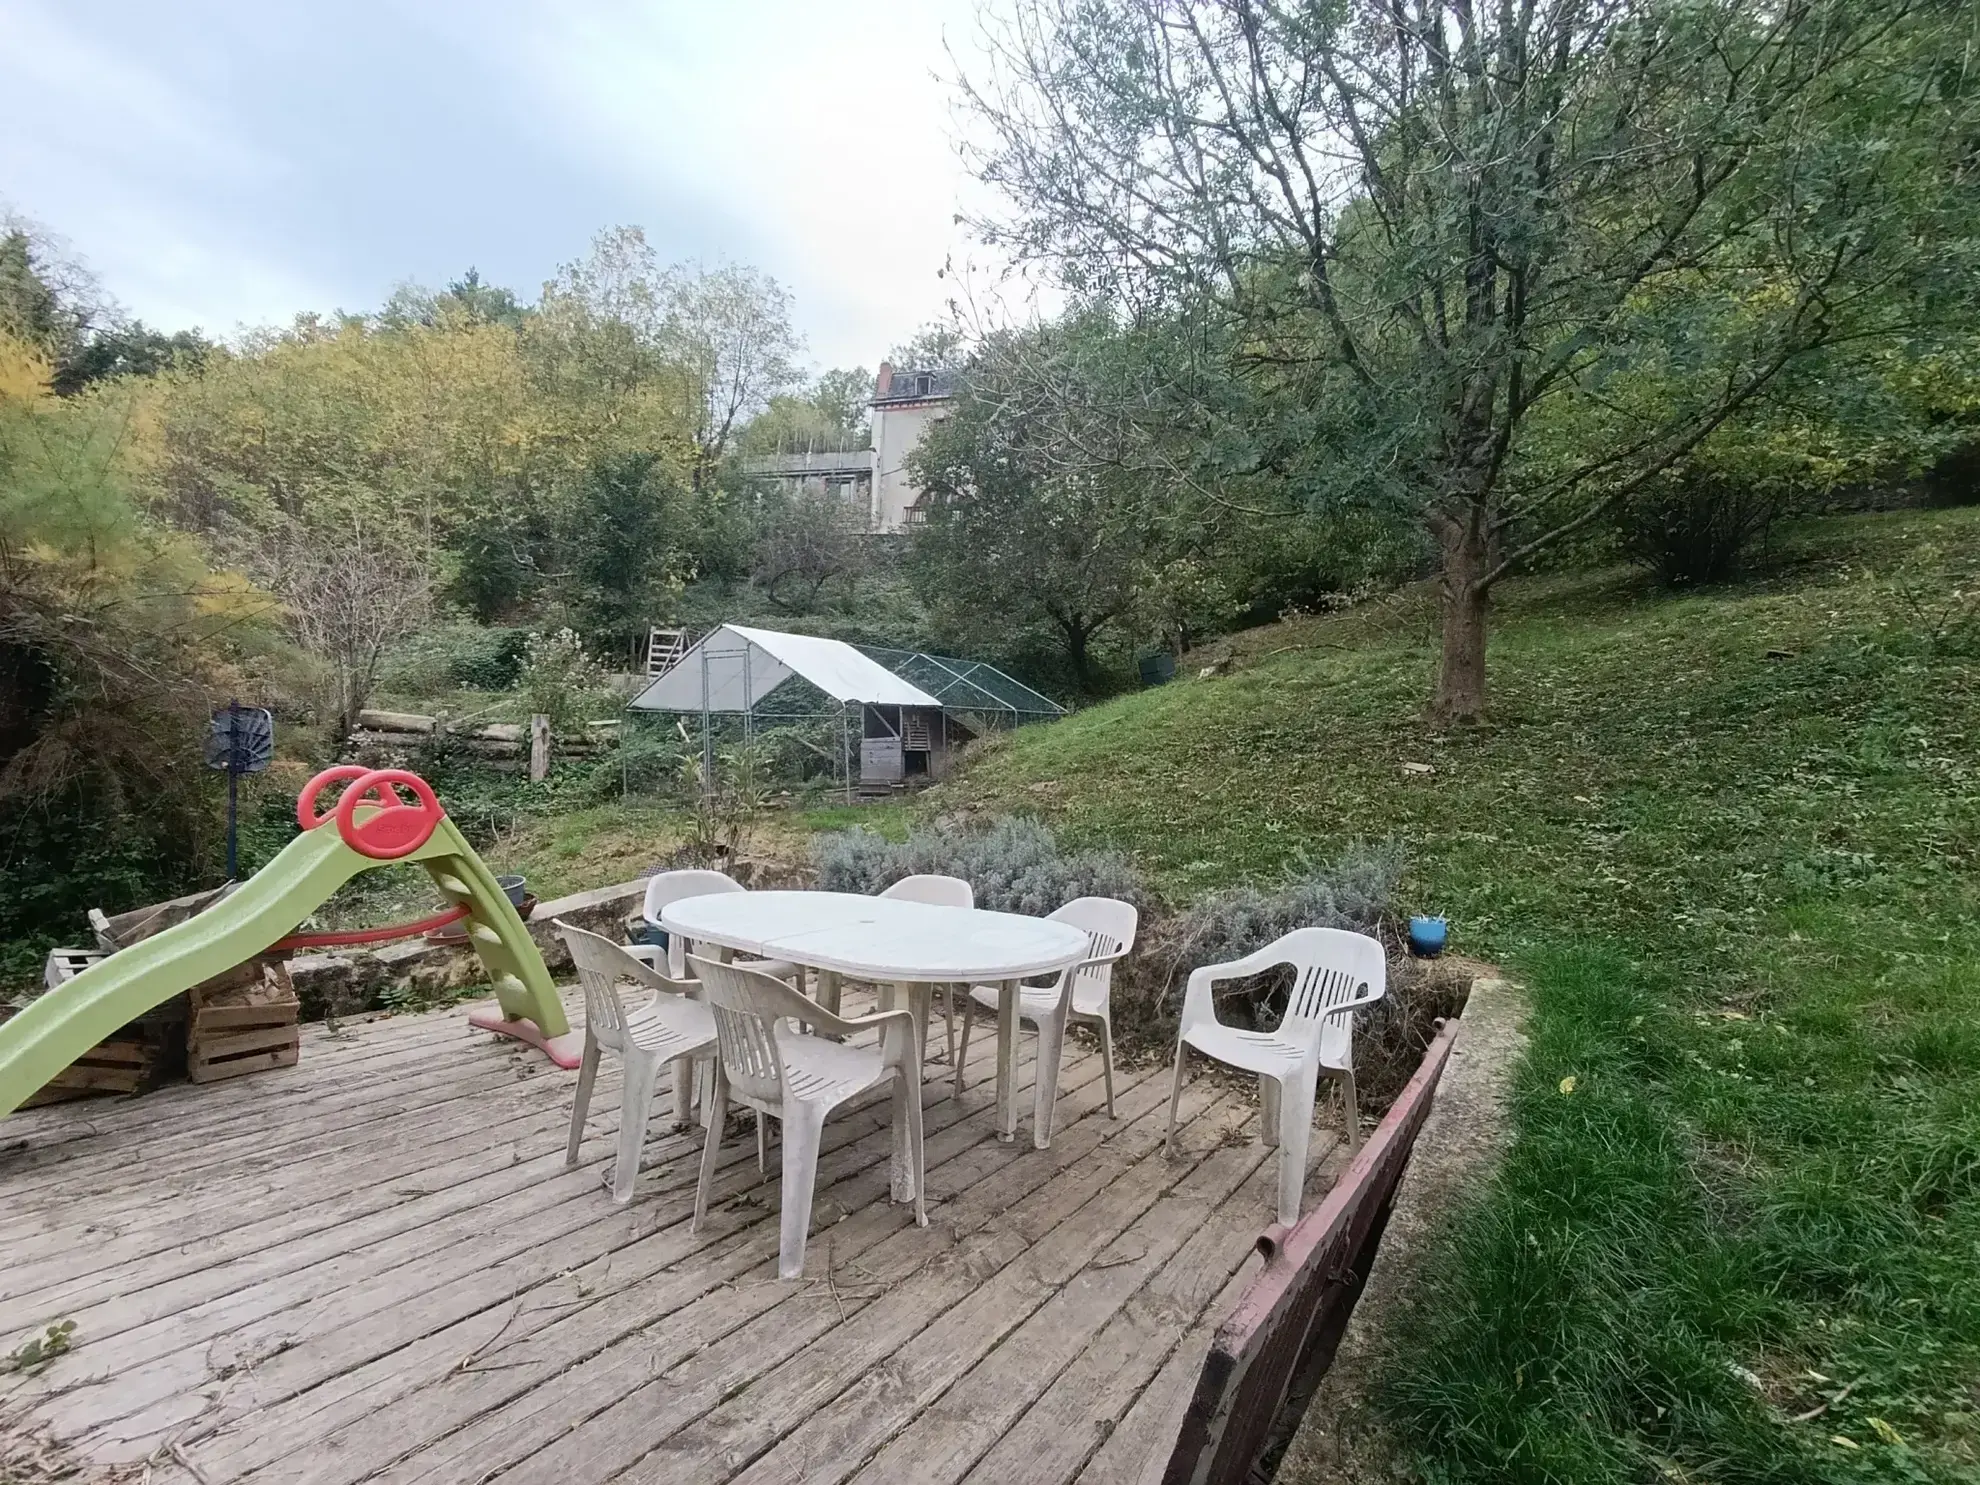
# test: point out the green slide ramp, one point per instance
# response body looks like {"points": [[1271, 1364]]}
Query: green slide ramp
{"points": [[66, 1022]]}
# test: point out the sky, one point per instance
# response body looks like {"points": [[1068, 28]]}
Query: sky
{"points": [[228, 163]]}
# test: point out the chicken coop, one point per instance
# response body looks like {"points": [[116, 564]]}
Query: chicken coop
{"points": [[867, 719]]}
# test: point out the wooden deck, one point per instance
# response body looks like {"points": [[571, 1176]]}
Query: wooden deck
{"points": [[375, 1266]]}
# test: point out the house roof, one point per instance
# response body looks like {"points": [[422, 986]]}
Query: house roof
{"points": [[741, 666]]}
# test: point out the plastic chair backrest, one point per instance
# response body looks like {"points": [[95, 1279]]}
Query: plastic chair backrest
{"points": [[601, 964], [747, 1006], [664, 887], [1110, 927], [937, 891], [1331, 966]]}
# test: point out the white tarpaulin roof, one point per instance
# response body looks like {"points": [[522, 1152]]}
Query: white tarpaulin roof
{"points": [[742, 666]]}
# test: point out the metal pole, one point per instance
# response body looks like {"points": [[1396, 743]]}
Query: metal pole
{"points": [[707, 748], [846, 749], [233, 787]]}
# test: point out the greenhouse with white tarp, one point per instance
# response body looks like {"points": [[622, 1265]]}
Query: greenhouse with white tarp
{"points": [[872, 718]]}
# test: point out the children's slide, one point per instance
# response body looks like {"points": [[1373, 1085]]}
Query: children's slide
{"points": [[371, 825]]}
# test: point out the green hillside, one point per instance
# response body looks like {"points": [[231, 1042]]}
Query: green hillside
{"points": [[1727, 839]]}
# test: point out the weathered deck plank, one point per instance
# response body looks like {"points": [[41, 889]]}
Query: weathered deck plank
{"points": [[375, 1266]]}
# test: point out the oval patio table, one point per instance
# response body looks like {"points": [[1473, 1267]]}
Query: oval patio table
{"points": [[907, 945]]}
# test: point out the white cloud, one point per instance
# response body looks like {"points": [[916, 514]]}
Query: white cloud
{"points": [[823, 132], [221, 161]]}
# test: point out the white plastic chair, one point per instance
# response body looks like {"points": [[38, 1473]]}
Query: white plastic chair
{"points": [[766, 1064], [938, 891], [671, 1026], [666, 887], [1335, 973], [1110, 926]]}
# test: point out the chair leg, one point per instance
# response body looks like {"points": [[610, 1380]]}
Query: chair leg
{"points": [[1175, 1096], [1295, 1128], [683, 1071], [949, 1019], [1045, 1078], [1350, 1112], [901, 1185], [581, 1104], [635, 1108], [915, 1151], [762, 1144], [962, 1049], [711, 1150], [1107, 1061], [803, 1123], [1268, 1110]]}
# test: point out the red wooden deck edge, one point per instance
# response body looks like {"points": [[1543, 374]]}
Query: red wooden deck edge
{"points": [[1305, 1288]]}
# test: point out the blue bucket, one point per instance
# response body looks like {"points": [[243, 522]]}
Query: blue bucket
{"points": [[1427, 936]]}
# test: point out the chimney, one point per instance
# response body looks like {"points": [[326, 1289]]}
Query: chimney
{"points": [[885, 379]]}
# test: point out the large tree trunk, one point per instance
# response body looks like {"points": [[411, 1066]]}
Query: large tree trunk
{"points": [[1077, 635], [1467, 556]]}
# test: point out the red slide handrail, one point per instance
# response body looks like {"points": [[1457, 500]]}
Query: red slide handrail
{"points": [[371, 935]]}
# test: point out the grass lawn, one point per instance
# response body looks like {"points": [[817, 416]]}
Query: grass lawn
{"points": [[1727, 840]]}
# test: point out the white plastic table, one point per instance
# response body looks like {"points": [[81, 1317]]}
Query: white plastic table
{"points": [[909, 945]]}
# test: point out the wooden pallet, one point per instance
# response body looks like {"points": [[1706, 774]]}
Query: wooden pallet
{"points": [[244, 1021]]}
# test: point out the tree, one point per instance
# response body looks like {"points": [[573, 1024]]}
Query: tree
{"points": [[348, 600], [619, 547], [487, 303], [808, 539], [729, 329], [829, 414], [111, 634], [1027, 524], [1426, 220], [842, 396], [717, 343], [132, 348]]}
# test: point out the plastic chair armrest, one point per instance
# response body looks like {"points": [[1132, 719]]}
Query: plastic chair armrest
{"points": [[824, 1020], [657, 979], [1199, 1005], [1367, 997]]}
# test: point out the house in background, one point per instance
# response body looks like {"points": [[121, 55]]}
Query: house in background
{"points": [[904, 404], [874, 479]]}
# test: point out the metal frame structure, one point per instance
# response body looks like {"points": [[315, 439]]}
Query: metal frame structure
{"points": [[981, 696], [971, 686]]}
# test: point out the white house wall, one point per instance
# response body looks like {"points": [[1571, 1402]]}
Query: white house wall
{"points": [[896, 431]]}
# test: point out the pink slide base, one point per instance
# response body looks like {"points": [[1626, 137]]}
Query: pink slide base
{"points": [[566, 1051]]}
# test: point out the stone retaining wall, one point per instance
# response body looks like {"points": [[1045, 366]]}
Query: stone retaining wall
{"points": [[348, 982], [1340, 1441]]}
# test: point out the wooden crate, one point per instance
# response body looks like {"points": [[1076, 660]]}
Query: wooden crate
{"points": [[139, 1057], [243, 1022]]}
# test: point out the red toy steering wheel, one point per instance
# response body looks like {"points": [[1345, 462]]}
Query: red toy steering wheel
{"points": [[306, 815], [398, 829]]}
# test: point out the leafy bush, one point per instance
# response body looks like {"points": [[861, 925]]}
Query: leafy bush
{"points": [[559, 680], [1698, 526], [1012, 865], [448, 656], [1353, 891], [647, 761]]}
